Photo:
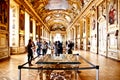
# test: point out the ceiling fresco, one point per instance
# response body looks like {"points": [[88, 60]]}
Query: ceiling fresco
{"points": [[57, 14]]}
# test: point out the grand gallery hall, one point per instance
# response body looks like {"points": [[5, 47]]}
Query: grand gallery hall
{"points": [[59, 39]]}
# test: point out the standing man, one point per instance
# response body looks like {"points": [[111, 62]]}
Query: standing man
{"points": [[39, 44], [44, 47], [70, 46], [60, 48]]}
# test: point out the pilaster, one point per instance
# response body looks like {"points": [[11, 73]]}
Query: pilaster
{"points": [[14, 28]]}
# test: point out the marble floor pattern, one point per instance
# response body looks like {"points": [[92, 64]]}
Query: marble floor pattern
{"points": [[109, 69]]}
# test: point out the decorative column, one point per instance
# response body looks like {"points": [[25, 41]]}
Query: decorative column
{"points": [[14, 28], [81, 35], [78, 36], [27, 28], [42, 32], [21, 48], [84, 34], [88, 33], [72, 37], [37, 30], [51, 39], [34, 30], [69, 34], [75, 37], [93, 32]]}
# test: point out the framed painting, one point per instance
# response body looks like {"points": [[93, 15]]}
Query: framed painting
{"points": [[112, 12], [22, 20], [4, 11]]}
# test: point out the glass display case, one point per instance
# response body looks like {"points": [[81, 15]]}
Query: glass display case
{"points": [[59, 64], [59, 67]]}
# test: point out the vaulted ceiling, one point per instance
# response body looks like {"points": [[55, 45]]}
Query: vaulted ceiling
{"points": [[57, 14]]}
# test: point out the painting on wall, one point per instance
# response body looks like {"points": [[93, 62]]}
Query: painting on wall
{"points": [[31, 26], [4, 11], [22, 20], [112, 12]]}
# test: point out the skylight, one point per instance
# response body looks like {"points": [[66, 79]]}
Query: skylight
{"points": [[57, 4]]}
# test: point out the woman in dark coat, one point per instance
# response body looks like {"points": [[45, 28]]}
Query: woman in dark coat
{"points": [[30, 51]]}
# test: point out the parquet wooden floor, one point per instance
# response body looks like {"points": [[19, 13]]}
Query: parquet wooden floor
{"points": [[109, 69]]}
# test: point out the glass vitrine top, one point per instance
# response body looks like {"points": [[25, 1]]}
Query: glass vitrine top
{"points": [[59, 59]]}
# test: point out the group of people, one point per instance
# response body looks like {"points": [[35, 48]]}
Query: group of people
{"points": [[58, 47], [41, 48], [38, 47]]}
